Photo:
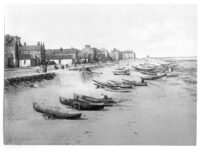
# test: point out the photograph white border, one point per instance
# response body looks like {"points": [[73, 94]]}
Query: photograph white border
{"points": [[64, 147]]}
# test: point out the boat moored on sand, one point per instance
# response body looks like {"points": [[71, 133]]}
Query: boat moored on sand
{"points": [[54, 112]]}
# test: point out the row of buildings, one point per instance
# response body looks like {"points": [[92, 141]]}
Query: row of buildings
{"points": [[20, 55]]}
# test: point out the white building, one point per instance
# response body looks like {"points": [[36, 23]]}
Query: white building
{"points": [[25, 60], [61, 59]]}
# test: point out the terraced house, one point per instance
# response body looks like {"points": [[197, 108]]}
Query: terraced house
{"points": [[128, 54], [30, 55], [62, 56]]}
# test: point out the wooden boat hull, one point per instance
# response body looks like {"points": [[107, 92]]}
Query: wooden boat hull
{"points": [[121, 73], [113, 85], [50, 113], [140, 84], [106, 101], [80, 104], [148, 73], [120, 85], [116, 90], [154, 77], [172, 75], [141, 69]]}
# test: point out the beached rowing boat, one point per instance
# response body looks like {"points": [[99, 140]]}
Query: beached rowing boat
{"points": [[172, 75], [113, 85], [134, 83], [54, 112], [116, 89], [119, 84], [107, 101], [148, 73], [144, 69], [154, 77], [121, 73], [81, 104]]}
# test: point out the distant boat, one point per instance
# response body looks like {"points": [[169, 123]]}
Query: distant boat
{"points": [[116, 89], [121, 73], [154, 77], [129, 82], [172, 75], [148, 73], [143, 69], [111, 84], [120, 68]]}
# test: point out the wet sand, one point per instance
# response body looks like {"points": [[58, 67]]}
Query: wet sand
{"points": [[163, 113]]}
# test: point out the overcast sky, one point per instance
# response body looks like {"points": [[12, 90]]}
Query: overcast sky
{"points": [[157, 30]]}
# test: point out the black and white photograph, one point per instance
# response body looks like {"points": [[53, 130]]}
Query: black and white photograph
{"points": [[100, 74]]}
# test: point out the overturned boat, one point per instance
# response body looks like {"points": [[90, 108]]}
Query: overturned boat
{"points": [[54, 112]]}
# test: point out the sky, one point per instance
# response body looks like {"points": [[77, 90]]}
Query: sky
{"points": [[154, 30]]}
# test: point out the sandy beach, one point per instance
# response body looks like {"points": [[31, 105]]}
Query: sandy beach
{"points": [[163, 113]]}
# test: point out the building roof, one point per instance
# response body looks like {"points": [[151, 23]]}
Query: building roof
{"points": [[115, 50], [31, 48], [25, 56], [62, 51], [128, 51], [50, 56]]}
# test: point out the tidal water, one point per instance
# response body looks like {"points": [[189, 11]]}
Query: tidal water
{"points": [[163, 113]]}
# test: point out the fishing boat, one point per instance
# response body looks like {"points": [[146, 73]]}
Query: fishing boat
{"points": [[120, 68], [120, 84], [135, 83], [100, 83], [130, 82], [121, 72], [148, 73], [143, 69], [116, 89], [154, 77], [81, 104], [140, 83], [172, 75], [112, 85], [107, 101], [54, 112]]}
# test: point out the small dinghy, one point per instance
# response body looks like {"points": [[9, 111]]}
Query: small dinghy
{"points": [[54, 112]]}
